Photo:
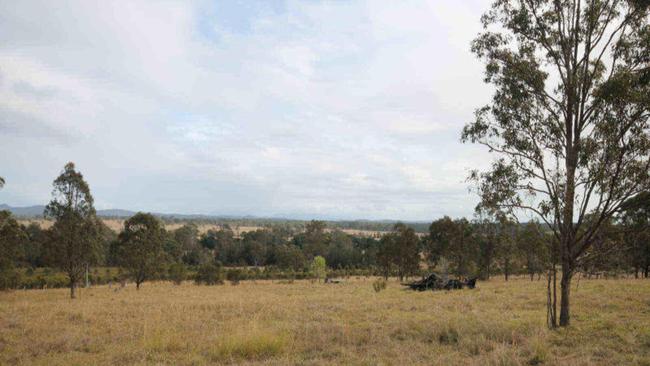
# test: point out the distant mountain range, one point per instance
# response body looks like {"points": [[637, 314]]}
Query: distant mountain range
{"points": [[37, 211], [355, 224]]}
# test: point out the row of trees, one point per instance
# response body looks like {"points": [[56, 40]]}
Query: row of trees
{"points": [[483, 247]]}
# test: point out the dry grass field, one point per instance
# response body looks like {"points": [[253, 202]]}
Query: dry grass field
{"points": [[117, 225], [308, 323]]}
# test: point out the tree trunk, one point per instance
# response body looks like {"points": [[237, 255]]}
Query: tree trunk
{"points": [[137, 285], [73, 287], [551, 313], [565, 288], [87, 279]]}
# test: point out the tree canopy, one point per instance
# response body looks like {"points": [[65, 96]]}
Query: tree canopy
{"points": [[140, 246], [74, 237]]}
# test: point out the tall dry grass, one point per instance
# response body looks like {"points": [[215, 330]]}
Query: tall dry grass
{"points": [[498, 323]]}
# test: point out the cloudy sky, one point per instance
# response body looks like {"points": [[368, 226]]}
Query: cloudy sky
{"points": [[334, 109]]}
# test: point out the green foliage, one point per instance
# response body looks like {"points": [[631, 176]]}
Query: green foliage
{"points": [[36, 238], [234, 276], [314, 239], [12, 239], [186, 238], [635, 219], [74, 239], [569, 120], [177, 273], [254, 245], [455, 241], [400, 251], [140, 247], [534, 248], [340, 251], [289, 256], [318, 267], [209, 274]]}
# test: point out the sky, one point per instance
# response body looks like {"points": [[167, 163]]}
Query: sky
{"points": [[299, 109]]}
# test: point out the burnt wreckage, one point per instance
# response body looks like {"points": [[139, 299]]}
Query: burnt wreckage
{"points": [[433, 281]]}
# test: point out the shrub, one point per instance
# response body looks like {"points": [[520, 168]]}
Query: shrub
{"points": [[234, 276], [9, 278], [318, 267], [379, 285], [177, 273], [209, 274], [448, 335]]}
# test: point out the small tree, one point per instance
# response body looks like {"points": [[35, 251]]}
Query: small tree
{"points": [[234, 276], [74, 237], [507, 252], [209, 274], [455, 241], [487, 236], [636, 223], [12, 238], [315, 239], [532, 246], [140, 247], [399, 250], [289, 256], [386, 253], [318, 267], [407, 259], [177, 273]]}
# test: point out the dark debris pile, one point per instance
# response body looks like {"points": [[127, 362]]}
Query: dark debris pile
{"points": [[433, 281]]}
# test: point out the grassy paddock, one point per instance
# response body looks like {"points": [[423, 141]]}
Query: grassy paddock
{"points": [[498, 323]]}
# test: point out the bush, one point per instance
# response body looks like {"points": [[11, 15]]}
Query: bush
{"points": [[448, 335], [177, 273], [319, 267], [9, 278], [209, 274], [379, 285], [234, 276]]}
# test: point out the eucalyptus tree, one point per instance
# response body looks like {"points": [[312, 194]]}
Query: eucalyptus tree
{"points": [[399, 250], [12, 240], [140, 247], [530, 243], [569, 117], [457, 242], [74, 238], [407, 260], [635, 220]]}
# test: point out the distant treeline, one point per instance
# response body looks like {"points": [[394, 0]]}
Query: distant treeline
{"points": [[459, 247], [78, 242]]}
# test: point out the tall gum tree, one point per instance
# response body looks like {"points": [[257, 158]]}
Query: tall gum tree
{"points": [[74, 236], [568, 121]]}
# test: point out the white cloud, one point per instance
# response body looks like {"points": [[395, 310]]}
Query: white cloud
{"points": [[339, 109]]}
